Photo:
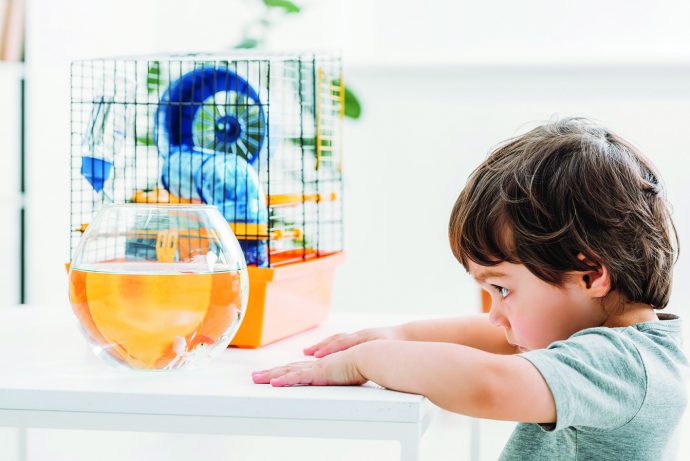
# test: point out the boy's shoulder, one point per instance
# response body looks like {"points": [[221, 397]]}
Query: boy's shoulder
{"points": [[625, 367], [663, 335], [641, 352], [613, 389]]}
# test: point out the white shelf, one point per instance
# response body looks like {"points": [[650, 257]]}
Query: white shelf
{"points": [[11, 198]]}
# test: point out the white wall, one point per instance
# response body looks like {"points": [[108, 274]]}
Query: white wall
{"points": [[426, 129], [413, 32], [536, 31]]}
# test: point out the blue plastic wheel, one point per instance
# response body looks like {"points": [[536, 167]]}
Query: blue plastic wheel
{"points": [[181, 171], [227, 181], [232, 185], [211, 108]]}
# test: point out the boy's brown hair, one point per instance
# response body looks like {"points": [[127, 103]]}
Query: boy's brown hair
{"points": [[566, 188]]}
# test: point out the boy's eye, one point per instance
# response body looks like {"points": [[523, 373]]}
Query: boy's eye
{"points": [[504, 292]]}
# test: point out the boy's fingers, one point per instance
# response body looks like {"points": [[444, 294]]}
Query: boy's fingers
{"points": [[340, 345], [321, 344], [265, 376], [336, 343], [290, 379], [331, 348], [323, 350], [311, 349], [259, 378]]}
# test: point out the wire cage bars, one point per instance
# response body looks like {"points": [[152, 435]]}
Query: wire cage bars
{"points": [[258, 135]]}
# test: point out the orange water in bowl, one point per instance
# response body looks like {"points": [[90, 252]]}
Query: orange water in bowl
{"points": [[149, 318]]}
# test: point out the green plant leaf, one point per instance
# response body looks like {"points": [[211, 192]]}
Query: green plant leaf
{"points": [[247, 43], [153, 77], [353, 108], [145, 140], [303, 141], [286, 5]]}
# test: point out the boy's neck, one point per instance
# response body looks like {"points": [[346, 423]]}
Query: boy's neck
{"points": [[633, 313]]}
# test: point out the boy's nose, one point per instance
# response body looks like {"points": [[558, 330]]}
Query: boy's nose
{"points": [[497, 318]]}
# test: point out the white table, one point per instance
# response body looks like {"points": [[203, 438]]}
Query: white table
{"points": [[50, 379]]}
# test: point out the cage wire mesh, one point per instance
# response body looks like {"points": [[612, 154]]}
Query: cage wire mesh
{"points": [[256, 135]]}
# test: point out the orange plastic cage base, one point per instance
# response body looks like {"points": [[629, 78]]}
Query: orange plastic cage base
{"points": [[286, 300]]}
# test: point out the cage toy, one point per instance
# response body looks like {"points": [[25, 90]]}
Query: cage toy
{"points": [[256, 134]]}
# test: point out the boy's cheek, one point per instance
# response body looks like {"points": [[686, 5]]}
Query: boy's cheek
{"points": [[532, 332]]}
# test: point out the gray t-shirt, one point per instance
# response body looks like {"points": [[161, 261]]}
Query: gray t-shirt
{"points": [[619, 393]]}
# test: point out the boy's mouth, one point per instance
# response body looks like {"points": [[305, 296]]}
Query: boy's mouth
{"points": [[520, 348]]}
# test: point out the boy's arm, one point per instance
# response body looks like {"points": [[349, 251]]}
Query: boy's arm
{"points": [[455, 377], [472, 330], [460, 379]]}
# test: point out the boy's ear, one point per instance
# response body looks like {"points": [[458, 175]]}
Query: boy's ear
{"points": [[596, 282]]}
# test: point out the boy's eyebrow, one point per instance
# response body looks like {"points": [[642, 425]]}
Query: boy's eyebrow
{"points": [[490, 273]]}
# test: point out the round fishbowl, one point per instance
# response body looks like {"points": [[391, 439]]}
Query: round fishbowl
{"points": [[158, 287]]}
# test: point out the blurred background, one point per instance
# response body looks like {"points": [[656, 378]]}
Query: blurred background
{"points": [[440, 82]]}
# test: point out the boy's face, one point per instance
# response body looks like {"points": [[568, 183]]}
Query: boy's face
{"points": [[532, 312]]}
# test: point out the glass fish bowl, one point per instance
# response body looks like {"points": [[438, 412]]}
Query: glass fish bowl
{"points": [[158, 287]]}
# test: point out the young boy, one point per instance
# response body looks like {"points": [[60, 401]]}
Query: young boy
{"points": [[567, 227]]}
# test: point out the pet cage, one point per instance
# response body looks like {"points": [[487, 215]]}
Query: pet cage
{"points": [[258, 135]]}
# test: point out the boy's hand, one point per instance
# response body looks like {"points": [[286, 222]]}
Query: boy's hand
{"points": [[336, 370], [343, 341]]}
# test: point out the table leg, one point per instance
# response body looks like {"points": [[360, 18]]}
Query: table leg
{"points": [[475, 439], [22, 444], [410, 442]]}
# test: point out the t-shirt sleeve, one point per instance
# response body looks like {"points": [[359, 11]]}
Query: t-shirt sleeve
{"points": [[597, 379]]}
